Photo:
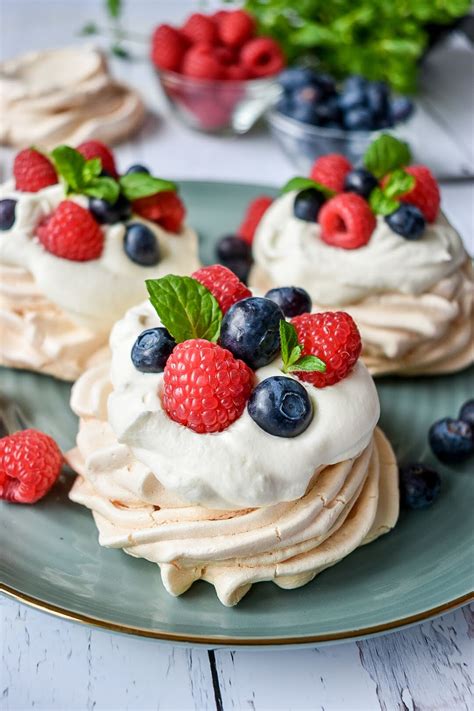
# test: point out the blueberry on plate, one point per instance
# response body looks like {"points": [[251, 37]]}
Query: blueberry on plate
{"points": [[401, 108], [141, 245], [152, 349], [251, 330], [295, 77], [360, 181], [451, 440], [407, 221], [307, 204], [358, 119], [107, 213], [292, 300], [466, 412], [7, 213], [419, 486], [137, 168], [280, 406]]}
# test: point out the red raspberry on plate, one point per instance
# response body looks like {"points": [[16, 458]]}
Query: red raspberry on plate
{"points": [[71, 233], [346, 221], [165, 208], [200, 28], [30, 463], [204, 387], [262, 57], [33, 171], [201, 62], [168, 46], [332, 336], [331, 170], [254, 213], [425, 193], [236, 27], [97, 149], [223, 284]]}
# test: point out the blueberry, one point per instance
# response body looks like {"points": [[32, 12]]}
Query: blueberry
{"points": [[407, 221], [295, 77], [240, 267], [309, 94], [304, 113], [386, 122], [307, 204], [360, 181], [326, 83], [419, 486], [358, 119], [137, 168], [251, 330], [233, 247], [141, 245], [107, 213], [352, 99], [377, 95], [466, 412], [152, 349], [293, 300], [280, 406], [355, 83], [451, 440], [401, 108], [7, 213], [328, 111]]}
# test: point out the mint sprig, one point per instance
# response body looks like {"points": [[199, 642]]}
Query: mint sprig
{"points": [[83, 176], [383, 199], [185, 307], [139, 185], [300, 183], [291, 352], [386, 154]]}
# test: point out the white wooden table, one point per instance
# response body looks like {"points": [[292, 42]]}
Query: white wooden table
{"points": [[53, 664]]}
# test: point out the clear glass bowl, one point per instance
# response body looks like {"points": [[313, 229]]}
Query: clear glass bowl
{"points": [[218, 106], [303, 143]]}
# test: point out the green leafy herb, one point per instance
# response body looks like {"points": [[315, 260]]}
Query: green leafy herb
{"points": [[139, 185], [186, 308], [385, 154], [291, 352], [114, 8], [300, 183], [119, 51], [383, 200], [90, 28], [82, 176]]}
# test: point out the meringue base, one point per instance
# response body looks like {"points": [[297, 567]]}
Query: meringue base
{"points": [[347, 505], [405, 334], [37, 335]]}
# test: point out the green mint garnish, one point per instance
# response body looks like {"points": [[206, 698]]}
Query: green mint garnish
{"points": [[83, 176], [291, 352], [299, 183], [385, 154], [185, 307], [383, 200], [140, 185]]}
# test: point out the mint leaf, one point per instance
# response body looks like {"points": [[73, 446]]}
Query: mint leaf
{"points": [[139, 185], [385, 154], [291, 352], [300, 183], [91, 169], [114, 8], [308, 364], [288, 340], [380, 204], [69, 165], [103, 188], [186, 308], [90, 28], [398, 183]]}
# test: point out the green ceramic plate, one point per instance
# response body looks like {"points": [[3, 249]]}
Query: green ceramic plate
{"points": [[50, 557]]}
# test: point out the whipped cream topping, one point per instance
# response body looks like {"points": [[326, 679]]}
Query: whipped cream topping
{"points": [[242, 466], [291, 251], [93, 294]]}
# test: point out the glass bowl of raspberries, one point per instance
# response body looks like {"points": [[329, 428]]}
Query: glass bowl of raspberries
{"points": [[314, 115], [216, 73]]}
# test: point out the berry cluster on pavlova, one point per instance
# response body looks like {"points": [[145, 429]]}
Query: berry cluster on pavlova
{"points": [[372, 240], [76, 242], [233, 438]]}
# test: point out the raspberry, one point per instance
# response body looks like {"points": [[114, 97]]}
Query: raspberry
{"points": [[331, 170], [165, 208], [97, 149], [204, 387], [167, 48], [223, 284], [200, 28], [71, 233], [332, 336], [236, 27], [262, 57], [201, 62], [425, 193], [225, 56], [236, 73], [346, 221], [255, 211], [33, 171], [30, 463]]}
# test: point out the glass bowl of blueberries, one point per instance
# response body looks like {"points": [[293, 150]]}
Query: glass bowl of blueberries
{"points": [[314, 115]]}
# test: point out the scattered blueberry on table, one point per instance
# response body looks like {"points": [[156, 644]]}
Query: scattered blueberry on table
{"points": [[451, 440], [419, 486]]}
